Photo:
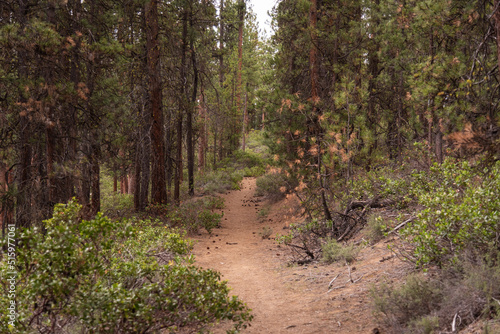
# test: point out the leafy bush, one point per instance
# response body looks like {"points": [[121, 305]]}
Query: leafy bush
{"points": [[213, 202], [274, 185], [461, 211], [468, 289], [220, 180], [400, 306], [334, 251], [101, 276], [254, 171], [194, 215], [375, 228]]}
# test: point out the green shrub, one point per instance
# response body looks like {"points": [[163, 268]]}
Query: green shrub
{"points": [[213, 202], [424, 325], [375, 228], [264, 212], [334, 251], [220, 180], [101, 276], [194, 215], [461, 211], [274, 185], [413, 300], [254, 171], [468, 289]]}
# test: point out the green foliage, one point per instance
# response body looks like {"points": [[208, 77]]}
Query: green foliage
{"points": [[114, 204], [213, 202], [254, 171], [104, 276], [468, 289], [334, 251], [306, 239], [264, 212], [384, 183], [461, 211], [411, 301], [193, 215], [274, 185], [220, 180], [375, 228]]}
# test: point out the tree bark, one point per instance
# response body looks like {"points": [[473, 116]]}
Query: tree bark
{"points": [[189, 115], [158, 185], [241, 22], [23, 177]]}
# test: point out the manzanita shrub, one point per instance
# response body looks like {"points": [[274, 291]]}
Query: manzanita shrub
{"points": [[461, 211], [103, 276]]}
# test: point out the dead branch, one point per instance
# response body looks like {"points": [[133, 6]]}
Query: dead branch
{"points": [[374, 203], [333, 280], [401, 225]]}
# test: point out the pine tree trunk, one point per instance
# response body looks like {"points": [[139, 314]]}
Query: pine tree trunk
{"points": [[203, 132], [241, 19], [158, 186], [23, 177], [189, 115]]}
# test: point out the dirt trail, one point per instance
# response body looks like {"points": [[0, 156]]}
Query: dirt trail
{"points": [[286, 299]]}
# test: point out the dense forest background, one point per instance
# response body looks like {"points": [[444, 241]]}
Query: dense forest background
{"points": [[360, 104], [150, 90]]}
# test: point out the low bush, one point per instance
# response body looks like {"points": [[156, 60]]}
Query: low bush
{"points": [[254, 171], [306, 239], [195, 215], [274, 185], [407, 304], [467, 290], [334, 251], [102, 276], [375, 228], [213, 202], [220, 180]]}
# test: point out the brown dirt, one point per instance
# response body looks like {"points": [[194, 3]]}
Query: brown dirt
{"points": [[284, 298]]}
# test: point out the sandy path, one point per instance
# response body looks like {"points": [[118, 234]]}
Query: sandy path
{"points": [[282, 299]]}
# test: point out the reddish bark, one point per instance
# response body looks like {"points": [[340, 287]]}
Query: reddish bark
{"points": [[158, 184]]}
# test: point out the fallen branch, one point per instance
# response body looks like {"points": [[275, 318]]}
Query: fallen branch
{"points": [[333, 280], [373, 203], [401, 225]]}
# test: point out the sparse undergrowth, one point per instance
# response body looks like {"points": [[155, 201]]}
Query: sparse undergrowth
{"points": [[104, 276]]}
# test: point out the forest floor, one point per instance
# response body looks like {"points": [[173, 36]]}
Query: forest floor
{"points": [[288, 298]]}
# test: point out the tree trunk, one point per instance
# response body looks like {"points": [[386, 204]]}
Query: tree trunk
{"points": [[203, 132], [158, 186], [23, 177], [497, 27], [189, 115], [241, 22]]}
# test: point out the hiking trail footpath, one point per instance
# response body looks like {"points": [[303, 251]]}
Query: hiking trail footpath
{"points": [[283, 298]]}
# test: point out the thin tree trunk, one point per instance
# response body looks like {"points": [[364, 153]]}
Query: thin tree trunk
{"points": [[203, 130], [245, 120], [95, 203], [241, 19], [189, 115]]}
